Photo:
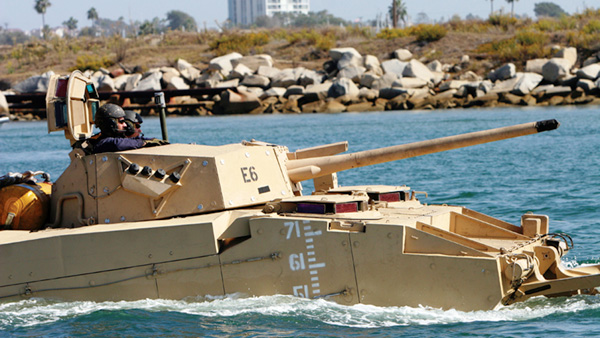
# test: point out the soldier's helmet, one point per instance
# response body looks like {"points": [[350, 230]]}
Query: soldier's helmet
{"points": [[133, 121], [107, 120]]}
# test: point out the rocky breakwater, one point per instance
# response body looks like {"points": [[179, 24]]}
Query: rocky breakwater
{"points": [[351, 82]]}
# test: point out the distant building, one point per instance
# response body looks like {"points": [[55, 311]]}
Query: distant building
{"points": [[244, 12]]}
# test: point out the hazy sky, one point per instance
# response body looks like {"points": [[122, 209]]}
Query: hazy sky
{"points": [[21, 14]]}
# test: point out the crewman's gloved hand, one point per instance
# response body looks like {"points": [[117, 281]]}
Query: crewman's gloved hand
{"points": [[155, 142]]}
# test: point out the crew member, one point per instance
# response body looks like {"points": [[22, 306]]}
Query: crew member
{"points": [[134, 124], [110, 119]]}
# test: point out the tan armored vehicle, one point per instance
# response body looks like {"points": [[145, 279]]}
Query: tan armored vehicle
{"points": [[190, 220]]}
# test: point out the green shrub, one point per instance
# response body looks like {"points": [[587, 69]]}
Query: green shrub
{"points": [[324, 40], [428, 33], [524, 45], [546, 25], [529, 38], [567, 22], [364, 32], [392, 33], [582, 40], [469, 26], [593, 26], [241, 43], [502, 20], [589, 13], [422, 32], [30, 53], [92, 62]]}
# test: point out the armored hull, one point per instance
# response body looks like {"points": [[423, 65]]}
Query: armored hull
{"points": [[363, 244]]}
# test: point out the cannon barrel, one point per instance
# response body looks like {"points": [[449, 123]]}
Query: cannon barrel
{"points": [[304, 169]]}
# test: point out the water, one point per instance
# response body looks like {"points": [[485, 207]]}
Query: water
{"points": [[555, 173]]}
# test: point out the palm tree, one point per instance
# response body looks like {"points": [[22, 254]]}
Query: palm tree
{"points": [[398, 12], [71, 24], [492, 3], [40, 7], [92, 15], [512, 8]]}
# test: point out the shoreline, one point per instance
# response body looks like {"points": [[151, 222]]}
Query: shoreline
{"points": [[348, 82]]}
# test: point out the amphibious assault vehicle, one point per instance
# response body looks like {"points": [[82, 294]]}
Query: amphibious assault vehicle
{"points": [[185, 220]]}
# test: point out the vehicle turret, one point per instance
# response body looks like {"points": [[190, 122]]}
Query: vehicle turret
{"points": [[185, 179]]}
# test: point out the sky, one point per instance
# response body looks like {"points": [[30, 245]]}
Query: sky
{"points": [[21, 14]]}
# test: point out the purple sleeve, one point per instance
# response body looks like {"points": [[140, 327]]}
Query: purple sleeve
{"points": [[111, 144]]}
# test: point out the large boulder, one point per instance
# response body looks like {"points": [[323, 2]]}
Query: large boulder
{"points": [[526, 83], [121, 81], [337, 53], [333, 106], [167, 70], [416, 68], [233, 83], [240, 71], [590, 72], [270, 72], [253, 80], [349, 60], [451, 84], [187, 71], [390, 93], [591, 60], [254, 90], [555, 69], [254, 61], [535, 65], [367, 79], [394, 66], [3, 104], [175, 82], [34, 84], [343, 87], [151, 81], [285, 78], [223, 63], [403, 54], [435, 66], [209, 79], [353, 73], [240, 102], [274, 92], [317, 91], [410, 82], [372, 64], [132, 81], [506, 86], [386, 81], [368, 94], [597, 83], [588, 86], [507, 71], [104, 83], [569, 54], [294, 90], [309, 77], [470, 76]]}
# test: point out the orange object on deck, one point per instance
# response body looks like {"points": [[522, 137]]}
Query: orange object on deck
{"points": [[24, 206]]}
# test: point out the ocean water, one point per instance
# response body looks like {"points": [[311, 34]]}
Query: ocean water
{"points": [[555, 173]]}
